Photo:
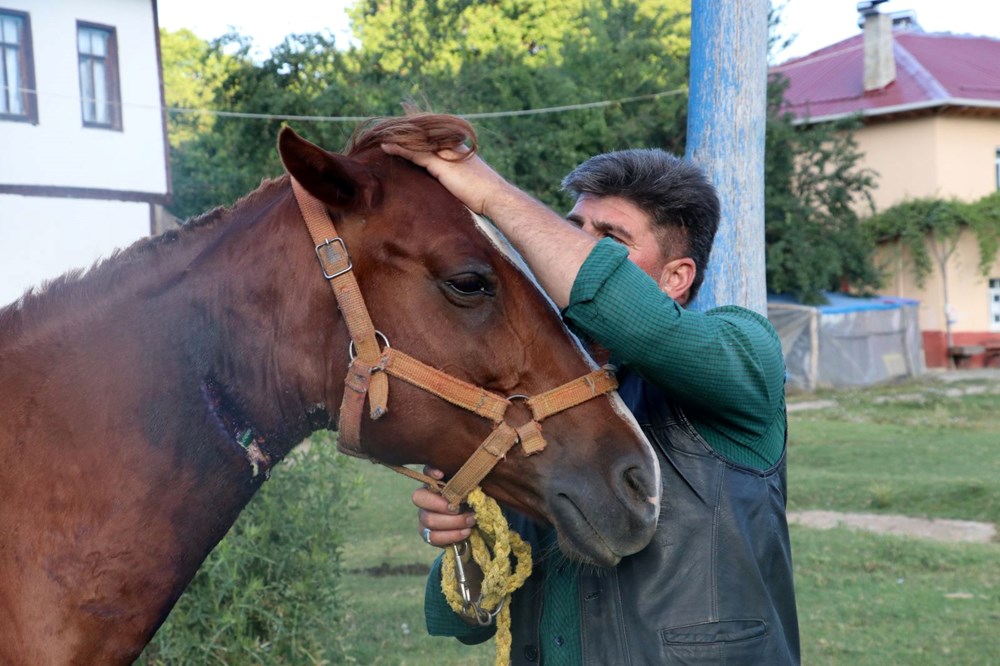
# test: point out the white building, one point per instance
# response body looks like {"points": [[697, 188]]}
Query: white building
{"points": [[83, 146]]}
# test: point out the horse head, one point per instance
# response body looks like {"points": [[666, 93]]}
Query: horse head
{"points": [[441, 284]]}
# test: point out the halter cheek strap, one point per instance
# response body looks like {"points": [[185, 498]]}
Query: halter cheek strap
{"points": [[371, 364]]}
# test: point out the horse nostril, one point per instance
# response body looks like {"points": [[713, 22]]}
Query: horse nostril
{"points": [[639, 484]]}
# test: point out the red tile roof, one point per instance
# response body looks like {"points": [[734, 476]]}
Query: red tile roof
{"points": [[932, 70]]}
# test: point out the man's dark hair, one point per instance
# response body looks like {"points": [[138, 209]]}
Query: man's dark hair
{"points": [[673, 192]]}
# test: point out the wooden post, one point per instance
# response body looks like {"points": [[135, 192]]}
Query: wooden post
{"points": [[725, 137]]}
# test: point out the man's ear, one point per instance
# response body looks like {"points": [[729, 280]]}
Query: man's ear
{"points": [[676, 278]]}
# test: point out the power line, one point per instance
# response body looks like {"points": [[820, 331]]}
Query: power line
{"points": [[574, 107], [355, 119], [266, 116], [485, 114]]}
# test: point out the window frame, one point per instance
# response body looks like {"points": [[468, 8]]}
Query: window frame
{"points": [[996, 167], [26, 67], [112, 81], [993, 291]]}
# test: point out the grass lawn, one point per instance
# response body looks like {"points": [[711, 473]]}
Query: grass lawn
{"points": [[863, 599], [870, 599], [385, 565], [917, 449], [937, 456]]}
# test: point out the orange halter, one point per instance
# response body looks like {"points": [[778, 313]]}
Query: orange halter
{"points": [[371, 364]]}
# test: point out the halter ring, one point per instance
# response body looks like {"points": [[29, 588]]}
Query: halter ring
{"points": [[353, 353]]}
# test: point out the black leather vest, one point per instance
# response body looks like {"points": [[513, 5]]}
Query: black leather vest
{"points": [[715, 584]]}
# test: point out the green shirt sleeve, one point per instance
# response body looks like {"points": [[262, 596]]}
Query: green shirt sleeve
{"points": [[724, 367]]}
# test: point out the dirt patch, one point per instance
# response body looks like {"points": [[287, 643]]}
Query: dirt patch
{"points": [[386, 569], [936, 529], [811, 404]]}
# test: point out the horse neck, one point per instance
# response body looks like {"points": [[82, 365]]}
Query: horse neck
{"points": [[116, 435], [230, 313], [265, 323]]}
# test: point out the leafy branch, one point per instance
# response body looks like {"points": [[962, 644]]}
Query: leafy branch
{"points": [[927, 226]]}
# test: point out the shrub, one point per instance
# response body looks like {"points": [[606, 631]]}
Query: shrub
{"points": [[268, 592]]}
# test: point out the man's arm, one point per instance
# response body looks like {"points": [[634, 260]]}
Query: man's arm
{"points": [[724, 367], [553, 248]]}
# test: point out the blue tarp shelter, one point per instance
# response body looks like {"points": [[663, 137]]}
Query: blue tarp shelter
{"points": [[850, 341]]}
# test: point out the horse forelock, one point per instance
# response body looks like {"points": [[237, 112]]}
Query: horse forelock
{"points": [[423, 132]]}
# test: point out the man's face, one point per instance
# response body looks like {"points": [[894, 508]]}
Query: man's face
{"points": [[623, 221], [620, 219]]}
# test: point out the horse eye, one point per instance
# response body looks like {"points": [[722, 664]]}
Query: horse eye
{"points": [[470, 284]]}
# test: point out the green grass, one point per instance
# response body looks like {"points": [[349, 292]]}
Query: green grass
{"points": [[918, 449], [936, 457], [385, 565], [866, 599]]}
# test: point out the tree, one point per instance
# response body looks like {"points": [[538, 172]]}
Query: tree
{"points": [[814, 186], [229, 154], [984, 221], [469, 57], [485, 56], [192, 72], [458, 56]]}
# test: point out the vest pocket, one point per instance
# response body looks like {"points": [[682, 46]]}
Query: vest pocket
{"points": [[728, 641]]}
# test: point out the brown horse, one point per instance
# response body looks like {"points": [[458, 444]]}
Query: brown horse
{"points": [[143, 401]]}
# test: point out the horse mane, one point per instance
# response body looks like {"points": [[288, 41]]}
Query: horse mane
{"points": [[418, 132], [111, 273], [218, 213]]}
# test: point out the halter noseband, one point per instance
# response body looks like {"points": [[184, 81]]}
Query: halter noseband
{"points": [[371, 364]]}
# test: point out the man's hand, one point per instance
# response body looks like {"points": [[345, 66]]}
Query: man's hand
{"points": [[553, 248], [445, 527], [471, 180]]}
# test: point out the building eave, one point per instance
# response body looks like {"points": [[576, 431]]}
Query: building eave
{"points": [[899, 109]]}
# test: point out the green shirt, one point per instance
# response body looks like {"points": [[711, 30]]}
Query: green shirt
{"points": [[723, 367]]}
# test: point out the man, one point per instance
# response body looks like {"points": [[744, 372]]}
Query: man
{"points": [[715, 584]]}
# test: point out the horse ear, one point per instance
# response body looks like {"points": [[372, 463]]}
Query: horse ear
{"points": [[337, 180]]}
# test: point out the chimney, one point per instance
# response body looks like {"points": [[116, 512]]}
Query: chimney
{"points": [[880, 63]]}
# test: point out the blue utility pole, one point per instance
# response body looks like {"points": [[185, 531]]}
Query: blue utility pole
{"points": [[725, 137]]}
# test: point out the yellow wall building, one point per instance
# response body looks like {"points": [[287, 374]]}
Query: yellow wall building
{"points": [[930, 108]]}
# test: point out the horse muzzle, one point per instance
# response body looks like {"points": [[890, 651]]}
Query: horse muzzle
{"points": [[601, 521]]}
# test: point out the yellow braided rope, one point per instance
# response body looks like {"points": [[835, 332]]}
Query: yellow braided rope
{"points": [[492, 544]]}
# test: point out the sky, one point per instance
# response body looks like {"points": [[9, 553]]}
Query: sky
{"points": [[817, 23]]}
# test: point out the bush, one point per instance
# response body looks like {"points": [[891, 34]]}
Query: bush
{"points": [[268, 593]]}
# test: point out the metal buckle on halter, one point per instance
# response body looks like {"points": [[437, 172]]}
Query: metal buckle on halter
{"points": [[322, 261]]}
